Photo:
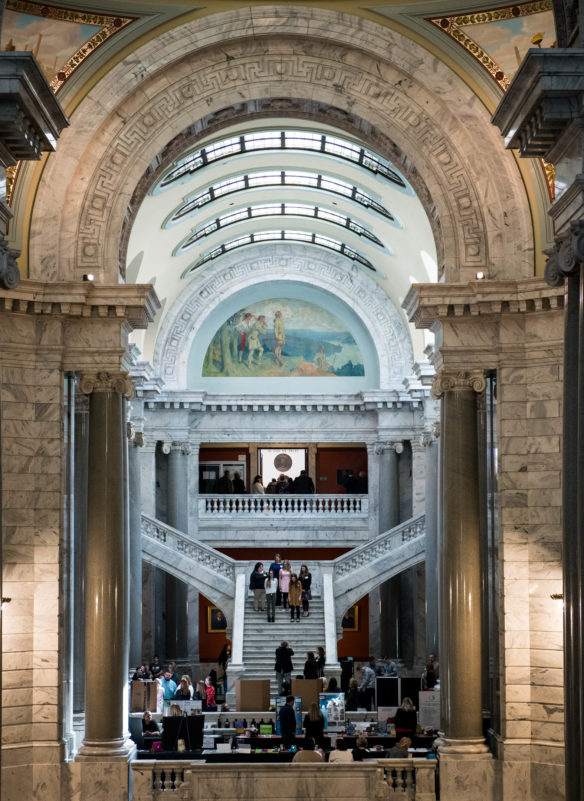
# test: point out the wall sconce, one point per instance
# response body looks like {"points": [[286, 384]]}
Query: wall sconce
{"points": [[89, 277], [479, 276], [557, 596]]}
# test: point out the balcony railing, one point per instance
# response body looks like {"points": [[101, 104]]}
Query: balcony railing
{"points": [[323, 506]]}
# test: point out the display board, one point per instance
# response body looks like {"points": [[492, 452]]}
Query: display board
{"points": [[429, 716], [332, 708], [188, 728]]}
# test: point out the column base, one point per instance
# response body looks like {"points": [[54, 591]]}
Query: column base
{"points": [[457, 745], [121, 749], [98, 779], [466, 775]]}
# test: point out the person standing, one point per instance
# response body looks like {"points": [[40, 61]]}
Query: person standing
{"points": [[294, 596], [314, 724], [271, 588], [310, 666], [238, 484], [303, 484], [284, 582], [168, 685], [276, 566], [224, 485], [406, 719], [287, 718], [367, 686], [320, 660], [257, 488], [257, 584], [283, 666], [305, 579]]}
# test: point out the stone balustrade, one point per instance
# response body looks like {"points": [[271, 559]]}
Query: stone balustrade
{"points": [[321, 506], [407, 779]]}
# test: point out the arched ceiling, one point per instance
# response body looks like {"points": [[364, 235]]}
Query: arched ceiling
{"points": [[284, 182]]}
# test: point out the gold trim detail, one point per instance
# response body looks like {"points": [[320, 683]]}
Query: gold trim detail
{"points": [[451, 26], [109, 26]]}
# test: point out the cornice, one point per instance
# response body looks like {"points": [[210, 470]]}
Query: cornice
{"points": [[427, 305], [132, 303]]}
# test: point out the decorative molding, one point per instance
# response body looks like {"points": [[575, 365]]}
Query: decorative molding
{"points": [[183, 448], [455, 381], [300, 264], [134, 303], [107, 382], [427, 304]]}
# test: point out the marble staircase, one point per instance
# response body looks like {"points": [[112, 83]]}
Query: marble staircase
{"points": [[260, 640]]}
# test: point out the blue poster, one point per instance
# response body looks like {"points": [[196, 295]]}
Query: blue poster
{"points": [[332, 708]]}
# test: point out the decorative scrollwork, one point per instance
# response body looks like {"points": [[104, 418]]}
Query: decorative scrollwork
{"points": [[107, 382]]}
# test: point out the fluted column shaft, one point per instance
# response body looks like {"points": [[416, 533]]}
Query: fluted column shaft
{"points": [[107, 567], [460, 576]]}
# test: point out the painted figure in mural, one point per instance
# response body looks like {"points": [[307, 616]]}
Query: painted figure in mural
{"points": [[280, 336], [254, 344], [321, 361], [243, 327]]}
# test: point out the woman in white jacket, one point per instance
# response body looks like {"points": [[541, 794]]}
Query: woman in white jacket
{"points": [[271, 585]]}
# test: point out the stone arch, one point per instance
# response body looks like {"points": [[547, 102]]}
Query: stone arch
{"points": [[339, 60], [302, 264]]}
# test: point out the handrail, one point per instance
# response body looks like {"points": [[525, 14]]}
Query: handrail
{"points": [[215, 505], [380, 546], [184, 545]]}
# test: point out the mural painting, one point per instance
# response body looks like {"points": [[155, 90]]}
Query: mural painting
{"points": [[283, 338]]}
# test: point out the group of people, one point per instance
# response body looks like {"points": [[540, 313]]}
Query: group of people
{"points": [[314, 743], [281, 586], [313, 667], [172, 687], [284, 485], [229, 486]]}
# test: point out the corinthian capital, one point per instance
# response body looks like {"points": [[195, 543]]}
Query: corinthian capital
{"points": [[452, 380], [181, 447], [566, 255], [107, 382]]}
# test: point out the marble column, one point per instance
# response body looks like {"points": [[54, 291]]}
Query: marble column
{"points": [[148, 477], [431, 482], [177, 516], [373, 473], [80, 545], [107, 570], [332, 666], [460, 583], [311, 466], [135, 441], [193, 490]]}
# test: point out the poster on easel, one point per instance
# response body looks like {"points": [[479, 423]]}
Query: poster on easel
{"points": [[332, 708], [429, 716]]}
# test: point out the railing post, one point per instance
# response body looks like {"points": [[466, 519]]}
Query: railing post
{"points": [[332, 666], [236, 668]]}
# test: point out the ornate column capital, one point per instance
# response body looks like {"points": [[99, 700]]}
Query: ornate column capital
{"points": [[566, 256], [134, 434], [181, 447], [430, 436], [457, 380], [107, 382], [379, 448]]}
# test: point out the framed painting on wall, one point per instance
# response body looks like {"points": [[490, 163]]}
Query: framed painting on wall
{"points": [[216, 621], [351, 619]]}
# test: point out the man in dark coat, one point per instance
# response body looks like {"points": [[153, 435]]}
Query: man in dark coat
{"points": [[283, 666], [287, 717], [303, 484]]}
